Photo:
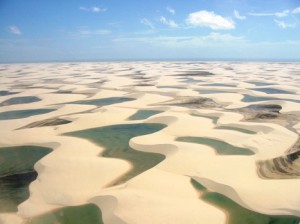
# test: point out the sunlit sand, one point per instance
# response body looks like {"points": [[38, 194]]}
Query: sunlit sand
{"points": [[151, 142]]}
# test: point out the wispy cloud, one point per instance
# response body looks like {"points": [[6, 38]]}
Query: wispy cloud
{"points": [[213, 39], [282, 14], [147, 22], [223, 37], [296, 10], [209, 19], [277, 14], [85, 32], [238, 16], [15, 30], [171, 10], [94, 9], [284, 25], [170, 23]]}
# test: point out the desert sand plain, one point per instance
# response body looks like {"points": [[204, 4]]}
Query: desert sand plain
{"points": [[150, 142]]}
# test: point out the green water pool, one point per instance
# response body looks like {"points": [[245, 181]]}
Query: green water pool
{"points": [[16, 173], [104, 101], [115, 140], [143, 114], [249, 98], [243, 130], [221, 147], [272, 90], [20, 100], [238, 214], [83, 214], [18, 114]]}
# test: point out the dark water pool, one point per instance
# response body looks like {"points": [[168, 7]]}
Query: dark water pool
{"points": [[16, 173]]}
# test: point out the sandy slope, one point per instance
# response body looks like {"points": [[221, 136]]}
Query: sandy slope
{"points": [[75, 173]]}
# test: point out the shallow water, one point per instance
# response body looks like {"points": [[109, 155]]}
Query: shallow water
{"points": [[249, 98], [243, 130], [260, 83], [219, 84], [143, 114], [104, 101], [115, 140], [17, 114], [238, 214], [5, 93], [171, 87], [221, 147], [211, 91], [20, 100], [83, 214], [16, 173], [272, 91], [189, 80]]}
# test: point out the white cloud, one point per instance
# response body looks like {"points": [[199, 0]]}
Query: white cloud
{"points": [[170, 23], [209, 19], [284, 25], [15, 30], [171, 10], [277, 14], [97, 9], [296, 10], [238, 16], [94, 9], [147, 23]]}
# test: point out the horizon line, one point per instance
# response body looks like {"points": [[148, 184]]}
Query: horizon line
{"points": [[150, 60]]}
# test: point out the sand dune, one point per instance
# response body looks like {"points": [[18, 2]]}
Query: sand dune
{"points": [[155, 142]]}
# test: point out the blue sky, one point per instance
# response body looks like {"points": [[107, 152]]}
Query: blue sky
{"points": [[83, 30]]}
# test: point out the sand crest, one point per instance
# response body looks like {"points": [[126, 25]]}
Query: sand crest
{"points": [[156, 142]]}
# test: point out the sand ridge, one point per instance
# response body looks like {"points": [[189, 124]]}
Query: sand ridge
{"points": [[105, 95]]}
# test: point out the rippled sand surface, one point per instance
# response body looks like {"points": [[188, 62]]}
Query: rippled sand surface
{"points": [[150, 142]]}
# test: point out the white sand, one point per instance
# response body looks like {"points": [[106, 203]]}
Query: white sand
{"points": [[75, 173]]}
